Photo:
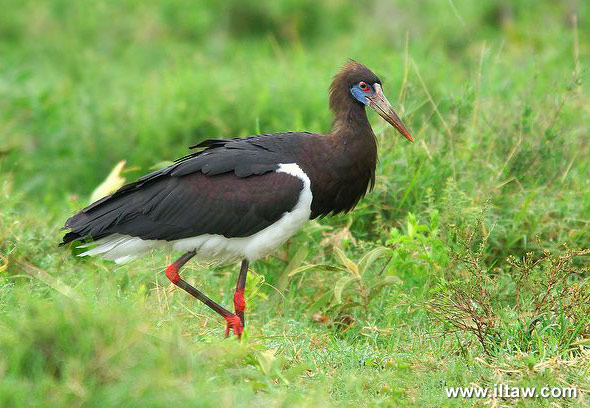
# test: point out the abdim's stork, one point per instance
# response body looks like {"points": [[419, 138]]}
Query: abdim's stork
{"points": [[242, 198]]}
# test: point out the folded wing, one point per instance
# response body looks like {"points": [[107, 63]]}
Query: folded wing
{"points": [[229, 189]]}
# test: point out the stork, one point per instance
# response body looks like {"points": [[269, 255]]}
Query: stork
{"points": [[239, 199]]}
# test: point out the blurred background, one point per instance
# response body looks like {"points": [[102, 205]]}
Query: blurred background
{"points": [[495, 92], [86, 84]]}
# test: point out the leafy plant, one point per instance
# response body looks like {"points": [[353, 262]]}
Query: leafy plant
{"points": [[355, 286], [464, 302], [552, 296], [544, 301], [353, 283], [418, 250], [358, 286]]}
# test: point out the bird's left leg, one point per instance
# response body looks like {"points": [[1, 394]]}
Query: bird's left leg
{"points": [[239, 301], [233, 321]]}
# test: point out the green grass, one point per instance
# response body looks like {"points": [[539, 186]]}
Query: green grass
{"points": [[496, 95]]}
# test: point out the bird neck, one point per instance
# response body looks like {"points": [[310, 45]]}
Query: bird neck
{"points": [[345, 166], [351, 128]]}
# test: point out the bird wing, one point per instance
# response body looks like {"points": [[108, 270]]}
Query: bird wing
{"points": [[231, 188]]}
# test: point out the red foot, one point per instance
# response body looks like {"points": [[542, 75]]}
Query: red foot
{"points": [[172, 273], [236, 325], [239, 301]]}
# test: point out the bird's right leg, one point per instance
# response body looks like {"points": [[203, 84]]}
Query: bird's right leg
{"points": [[232, 320], [239, 301]]}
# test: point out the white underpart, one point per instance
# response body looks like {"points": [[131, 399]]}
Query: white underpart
{"points": [[213, 247]]}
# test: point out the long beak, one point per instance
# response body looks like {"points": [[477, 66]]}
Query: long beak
{"points": [[379, 103]]}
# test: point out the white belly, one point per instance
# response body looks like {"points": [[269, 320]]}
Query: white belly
{"points": [[212, 247]]}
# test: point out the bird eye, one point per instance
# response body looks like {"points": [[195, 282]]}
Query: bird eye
{"points": [[364, 87]]}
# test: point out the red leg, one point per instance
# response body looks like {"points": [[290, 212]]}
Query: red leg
{"points": [[239, 301], [233, 321]]}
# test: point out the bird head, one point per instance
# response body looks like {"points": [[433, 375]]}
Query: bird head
{"points": [[364, 87]]}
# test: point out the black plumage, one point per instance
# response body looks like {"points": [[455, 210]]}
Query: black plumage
{"points": [[230, 188]]}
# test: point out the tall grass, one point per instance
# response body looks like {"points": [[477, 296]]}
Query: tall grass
{"points": [[495, 94]]}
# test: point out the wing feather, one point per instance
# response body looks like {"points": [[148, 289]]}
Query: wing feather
{"points": [[230, 189]]}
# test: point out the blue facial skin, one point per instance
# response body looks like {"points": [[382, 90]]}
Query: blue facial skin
{"points": [[360, 95]]}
